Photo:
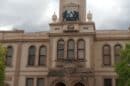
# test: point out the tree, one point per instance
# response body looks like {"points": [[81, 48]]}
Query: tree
{"points": [[123, 67], [2, 64]]}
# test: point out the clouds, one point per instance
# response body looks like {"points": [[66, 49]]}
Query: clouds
{"points": [[22, 13], [34, 15], [110, 14]]}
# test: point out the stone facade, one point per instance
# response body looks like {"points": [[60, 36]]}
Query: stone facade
{"points": [[89, 71]]}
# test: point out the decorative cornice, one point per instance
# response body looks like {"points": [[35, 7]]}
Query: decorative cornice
{"points": [[23, 40], [74, 22], [112, 38], [72, 34]]}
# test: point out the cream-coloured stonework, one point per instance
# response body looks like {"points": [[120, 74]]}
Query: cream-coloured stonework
{"points": [[90, 71]]}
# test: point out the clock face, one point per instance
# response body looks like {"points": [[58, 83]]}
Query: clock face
{"points": [[70, 15]]}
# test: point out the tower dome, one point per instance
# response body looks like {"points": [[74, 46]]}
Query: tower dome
{"points": [[54, 17], [89, 16]]}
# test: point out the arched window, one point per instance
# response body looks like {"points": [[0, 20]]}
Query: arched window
{"points": [[106, 55], [42, 55], [70, 49], [79, 84], [31, 55], [81, 49], [60, 49], [117, 49], [9, 56]]}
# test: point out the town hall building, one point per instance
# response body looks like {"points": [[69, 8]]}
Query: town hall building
{"points": [[72, 53]]}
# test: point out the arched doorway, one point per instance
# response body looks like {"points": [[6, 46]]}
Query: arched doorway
{"points": [[6, 84], [60, 84], [79, 84]]}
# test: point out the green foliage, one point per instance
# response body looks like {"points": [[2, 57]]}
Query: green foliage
{"points": [[2, 64], [123, 67]]}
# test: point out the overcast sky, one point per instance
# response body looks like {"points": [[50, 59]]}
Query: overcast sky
{"points": [[34, 15]]}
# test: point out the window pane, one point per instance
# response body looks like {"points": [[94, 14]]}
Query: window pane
{"points": [[9, 56], [107, 82], [117, 49], [60, 49], [117, 53], [40, 82], [61, 54], [31, 57], [29, 82], [60, 45], [71, 54], [43, 51], [71, 44], [9, 51], [106, 60], [81, 54], [71, 49], [81, 44], [117, 59], [31, 60], [81, 49], [106, 55], [32, 50], [42, 60], [8, 61], [106, 50]]}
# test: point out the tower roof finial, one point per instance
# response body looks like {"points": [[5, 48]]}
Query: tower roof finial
{"points": [[89, 16], [54, 17]]}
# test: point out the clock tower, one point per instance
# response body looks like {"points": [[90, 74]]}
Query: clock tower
{"points": [[72, 18]]}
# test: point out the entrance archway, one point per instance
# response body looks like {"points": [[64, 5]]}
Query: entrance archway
{"points": [[60, 84], [79, 84]]}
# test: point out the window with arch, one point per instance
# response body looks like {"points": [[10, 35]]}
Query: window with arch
{"points": [[60, 49], [70, 49], [42, 56], [81, 49], [31, 55], [9, 56], [117, 49], [106, 55]]}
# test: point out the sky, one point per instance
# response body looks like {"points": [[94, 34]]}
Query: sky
{"points": [[35, 15]]}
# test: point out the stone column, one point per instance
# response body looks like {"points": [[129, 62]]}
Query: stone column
{"points": [[113, 82], [17, 68], [65, 49], [37, 56]]}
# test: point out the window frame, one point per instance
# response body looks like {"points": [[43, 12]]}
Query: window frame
{"points": [[81, 49], [105, 56], [107, 79], [115, 52], [40, 79], [40, 55], [30, 79], [9, 56], [70, 50], [60, 50], [30, 56]]}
